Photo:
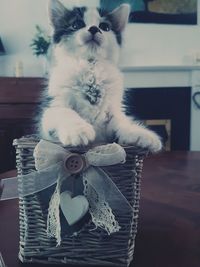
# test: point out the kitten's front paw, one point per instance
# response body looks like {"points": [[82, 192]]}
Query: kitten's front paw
{"points": [[143, 138], [76, 135]]}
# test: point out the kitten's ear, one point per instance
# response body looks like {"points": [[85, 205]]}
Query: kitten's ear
{"points": [[119, 17], [56, 11]]}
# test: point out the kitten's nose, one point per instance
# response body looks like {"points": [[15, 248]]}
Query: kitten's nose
{"points": [[94, 29]]}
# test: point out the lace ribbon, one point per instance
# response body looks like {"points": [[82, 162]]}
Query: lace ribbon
{"points": [[105, 199]]}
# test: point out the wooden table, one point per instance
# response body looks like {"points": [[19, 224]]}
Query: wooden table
{"points": [[169, 223]]}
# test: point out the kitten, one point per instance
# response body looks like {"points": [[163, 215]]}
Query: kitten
{"points": [[85, 84]]}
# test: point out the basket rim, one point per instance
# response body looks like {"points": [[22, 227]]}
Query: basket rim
{"points": [[32, 140]]}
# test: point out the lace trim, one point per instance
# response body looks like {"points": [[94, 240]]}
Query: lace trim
{"points": [[104, 155], [101, 213], [53, 218]]}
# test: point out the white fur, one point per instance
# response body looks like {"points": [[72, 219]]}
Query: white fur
{"points": [[71, 118]]}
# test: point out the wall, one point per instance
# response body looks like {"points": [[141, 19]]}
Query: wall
{"points": [[145, 44], [154, 44], [17, 28]]}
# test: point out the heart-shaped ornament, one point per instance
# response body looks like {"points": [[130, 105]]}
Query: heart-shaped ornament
{"points": [[74, 208]]}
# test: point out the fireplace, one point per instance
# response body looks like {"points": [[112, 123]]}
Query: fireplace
{"points": [[166, 82], [166, 110]]}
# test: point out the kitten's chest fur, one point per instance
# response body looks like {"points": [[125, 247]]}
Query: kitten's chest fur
{"points": [[91, 89]]}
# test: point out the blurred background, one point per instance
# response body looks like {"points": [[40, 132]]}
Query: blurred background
{"points": [[146, 43]]}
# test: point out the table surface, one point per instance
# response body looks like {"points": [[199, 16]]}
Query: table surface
{"points": [[169, 221]]}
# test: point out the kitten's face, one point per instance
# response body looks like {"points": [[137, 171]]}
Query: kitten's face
{"points": [[86, 32]]}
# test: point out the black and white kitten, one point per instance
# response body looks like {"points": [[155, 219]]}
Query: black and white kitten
{"points": [[85, 85]]}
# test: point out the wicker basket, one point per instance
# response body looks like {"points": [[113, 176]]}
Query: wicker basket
{"points": [[95, 247]]}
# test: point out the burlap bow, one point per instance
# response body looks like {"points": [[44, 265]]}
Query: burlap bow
{"points": [[53, 167]]}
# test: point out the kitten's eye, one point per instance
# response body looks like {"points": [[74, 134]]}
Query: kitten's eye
{"points": [[105, 26], [78, 24]]}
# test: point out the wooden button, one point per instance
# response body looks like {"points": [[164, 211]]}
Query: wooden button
{"points": [[74, 163]]}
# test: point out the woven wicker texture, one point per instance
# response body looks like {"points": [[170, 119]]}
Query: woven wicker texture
{"points": [[90, 247]]}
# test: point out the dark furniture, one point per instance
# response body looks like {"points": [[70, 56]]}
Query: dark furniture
{"points": [[168, 230], [18, 100]]}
